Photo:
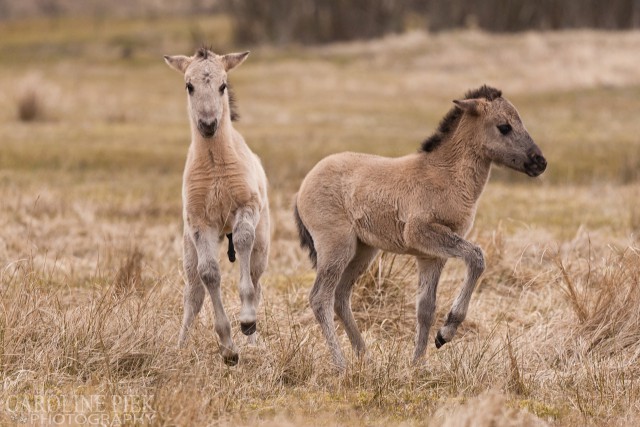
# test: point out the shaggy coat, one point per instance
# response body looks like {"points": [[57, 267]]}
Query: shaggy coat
{"points": [[224, 192], [350, 205]]}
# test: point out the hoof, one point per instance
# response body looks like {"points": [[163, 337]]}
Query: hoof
{"points": [[439, 340], [248, 328], [231, 360]]}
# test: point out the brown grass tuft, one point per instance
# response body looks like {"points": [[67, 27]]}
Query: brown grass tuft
{"points": [[516, 381], [129, 275], [294, 360], [605, 299], [34, 99], [380, 294], [31, 106]]}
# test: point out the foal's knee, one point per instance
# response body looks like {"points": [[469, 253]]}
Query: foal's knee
{"points": [[243, 237], [209, 274]]}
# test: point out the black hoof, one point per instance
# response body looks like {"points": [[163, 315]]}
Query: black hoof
{"points": [[230, 360], [439, 340], [248, 328]]}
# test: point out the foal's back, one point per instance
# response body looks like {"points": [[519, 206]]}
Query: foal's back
{"points": [[371, 197]]}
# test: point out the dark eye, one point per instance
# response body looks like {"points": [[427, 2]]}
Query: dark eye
{"points": [[504, 129], [223, 86], [190, 88]]}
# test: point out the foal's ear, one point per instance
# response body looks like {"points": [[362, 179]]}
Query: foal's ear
{"points": [[232, 60], [178, 62], [473, 106]]}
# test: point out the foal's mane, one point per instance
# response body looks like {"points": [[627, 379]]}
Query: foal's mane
{"points": [[233, 104], [203, 53], [450, 121]]}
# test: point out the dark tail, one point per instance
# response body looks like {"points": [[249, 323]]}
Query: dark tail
{"points": [[306, 241], [231, 253]]}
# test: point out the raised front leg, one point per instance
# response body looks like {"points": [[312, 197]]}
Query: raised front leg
{"points": [[436, 240], [206, 242], [429, 270], [244, 235]]}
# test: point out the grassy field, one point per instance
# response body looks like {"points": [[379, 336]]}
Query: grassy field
{"points": [[90, 240]]}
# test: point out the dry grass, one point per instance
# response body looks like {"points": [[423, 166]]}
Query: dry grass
{"points": [[541, 352], [90, 271]]}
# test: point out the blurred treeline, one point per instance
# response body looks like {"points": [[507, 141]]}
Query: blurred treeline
{"points": [[320, 21]]}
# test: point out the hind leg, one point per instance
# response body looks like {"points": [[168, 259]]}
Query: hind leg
{"points": [[193, 289], [358, 265], [334, 254]]}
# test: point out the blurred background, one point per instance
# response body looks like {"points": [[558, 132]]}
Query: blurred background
{"points": [[90, 107], [93, 137], [316, 21]]}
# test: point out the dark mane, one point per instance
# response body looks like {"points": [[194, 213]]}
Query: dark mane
{"points": [[203, 52], [233, 104], [450, 121]]}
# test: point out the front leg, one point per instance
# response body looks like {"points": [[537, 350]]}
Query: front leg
{"points": [[244, 234], [436, 240], [206, 241], [429, 270]]}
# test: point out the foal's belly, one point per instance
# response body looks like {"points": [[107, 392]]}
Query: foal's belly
{"points": [[384, 231]]}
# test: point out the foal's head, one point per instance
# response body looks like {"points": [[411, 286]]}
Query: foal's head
{"points": [[205, 75], [503, 137]]}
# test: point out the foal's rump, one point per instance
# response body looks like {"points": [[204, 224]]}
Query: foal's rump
{"points": [[349, 196]]}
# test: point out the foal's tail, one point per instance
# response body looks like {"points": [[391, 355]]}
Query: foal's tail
{"points": [[306, 241]]}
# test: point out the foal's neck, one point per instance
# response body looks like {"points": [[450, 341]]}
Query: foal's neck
{"points": [[462, 156], [221, 148]]}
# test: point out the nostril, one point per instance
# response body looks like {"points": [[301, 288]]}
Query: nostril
{"points": [[208, 125], [538, 159]]}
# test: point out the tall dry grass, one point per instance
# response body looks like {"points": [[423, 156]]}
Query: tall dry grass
{"points": [[562, 347]]}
